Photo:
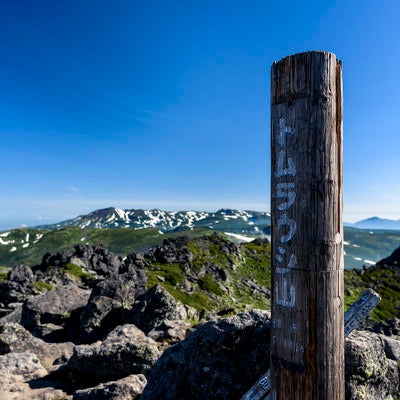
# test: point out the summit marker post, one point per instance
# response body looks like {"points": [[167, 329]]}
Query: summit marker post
{"points": [[307, 333]]}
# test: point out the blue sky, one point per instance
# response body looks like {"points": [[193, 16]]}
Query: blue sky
{"points": [[165, 104]]}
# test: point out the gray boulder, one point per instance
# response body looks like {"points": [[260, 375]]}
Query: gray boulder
{"points": [[392, 348], [108, 301], [125, 351], [58, 306], [96, 259], [129, 388], [21, 274], [370, 375], [15, 338], [170, 332], [22, 377], [220, 360], [156, 306], [14, 316]]}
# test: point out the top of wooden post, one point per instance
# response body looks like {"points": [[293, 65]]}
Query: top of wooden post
{"points": [[291, 76]]}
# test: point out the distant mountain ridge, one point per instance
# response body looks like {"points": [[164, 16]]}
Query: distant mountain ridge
{"points": [[236, 221], [377, 223]]}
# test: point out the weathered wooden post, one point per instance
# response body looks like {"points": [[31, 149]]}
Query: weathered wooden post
{"points": [[307, 336]]}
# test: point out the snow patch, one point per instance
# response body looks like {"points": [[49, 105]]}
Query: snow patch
{"points": [[123, 215], [240, 237], [370, 262], [25, 245], [6, 242], [27, 237], [13, 249], [4, 234]]}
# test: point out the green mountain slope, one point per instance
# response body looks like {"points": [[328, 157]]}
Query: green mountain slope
{"points": [[29, 245]]}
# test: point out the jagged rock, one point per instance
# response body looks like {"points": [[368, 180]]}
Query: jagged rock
{"points": [[97, 259], [155, 306], [129, 388], [50, 333], [220, 360], [13, 292], [22, 378], [369, 374], [169, 332], [15, 338], [126, 350], [173, 250], [60, 306], [21, 274], [392, 348], [390, 327], [108, 301], [13, 316], [133, 263], [49, 260]]}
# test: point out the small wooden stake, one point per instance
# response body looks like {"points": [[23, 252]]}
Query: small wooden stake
{"points": [[307, 338]]}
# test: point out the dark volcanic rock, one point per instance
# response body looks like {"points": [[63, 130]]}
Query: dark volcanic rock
{"points": [[59, 306], [97, 259], [129, 388], [17, 287], [126, 350], [155, 306], [108, 302], [21, 274], [221, 360], [170, 332], [173, 250]]}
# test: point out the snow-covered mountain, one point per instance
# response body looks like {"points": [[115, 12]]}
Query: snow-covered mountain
{"points": [[235, 221]]}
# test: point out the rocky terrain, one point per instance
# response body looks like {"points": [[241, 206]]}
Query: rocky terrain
{"points": [[187, 319]]}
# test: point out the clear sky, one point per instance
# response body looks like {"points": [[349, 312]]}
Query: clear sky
{"points": [[165, 104]]}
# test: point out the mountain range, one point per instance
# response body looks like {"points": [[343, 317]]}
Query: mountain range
{"points": [[250, 222], [125, 231]]}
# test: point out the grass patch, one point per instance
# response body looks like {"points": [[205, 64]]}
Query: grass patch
{"points": [[42, 286], [170, 273], [208, 284], [255, 263], [197, 300], [77, 272]]}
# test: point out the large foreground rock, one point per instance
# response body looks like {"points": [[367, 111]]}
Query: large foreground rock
{"points": [[60, 306], [129, 388], [220, 360], [125, 351], [108, 301], [156, 306], [23, 378], [370, 375], [15, 338]]}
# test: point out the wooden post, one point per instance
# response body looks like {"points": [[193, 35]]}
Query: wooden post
{"points": [[307, 333], [352, 318]]}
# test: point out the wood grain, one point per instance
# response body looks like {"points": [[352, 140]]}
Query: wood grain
{"points": [[307, 345], [352, 318]]}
